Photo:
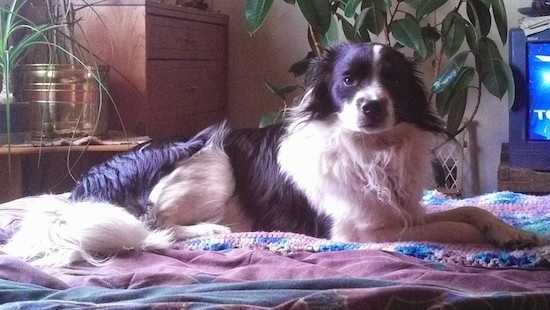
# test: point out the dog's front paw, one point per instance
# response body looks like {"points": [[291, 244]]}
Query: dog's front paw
{"points": [[199, 230], [510, 237], [207, 229]]}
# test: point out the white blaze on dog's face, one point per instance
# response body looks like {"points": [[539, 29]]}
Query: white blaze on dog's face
{"points": [[368, 88], [369, 111], [358, 86]]}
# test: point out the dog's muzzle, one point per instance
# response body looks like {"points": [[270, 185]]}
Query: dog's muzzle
{"points": [[373, 112]]}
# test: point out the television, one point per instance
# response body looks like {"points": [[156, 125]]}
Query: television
{"points": [[529, 131]]}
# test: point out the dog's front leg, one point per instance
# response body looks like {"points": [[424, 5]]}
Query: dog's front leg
{"points": [[492, 228], [440, 232]]}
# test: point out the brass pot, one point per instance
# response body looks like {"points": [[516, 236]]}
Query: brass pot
{"points": [[65, 100]]}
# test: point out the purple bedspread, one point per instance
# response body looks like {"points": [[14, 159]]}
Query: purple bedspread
{"points": [[252, 277], [345, 278]]}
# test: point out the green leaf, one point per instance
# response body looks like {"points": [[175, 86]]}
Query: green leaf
{"points": [[375, 21], [451, 73], [465, 80], [332, 36], [472, 38], [360, 22], [510, 82], [487, 3], [444, 100], [407, 32], [495, 76], [501, 20], [351, 7], [349, 30], [383, 5], [488, 49], [271, 118], [426, 7], [280, 90], [300, 67], [356, 32], [414, 3], [318, 13], [479, 16], [453, 33], [376, 17], [431, 36], [456, 112], [255, 14]]}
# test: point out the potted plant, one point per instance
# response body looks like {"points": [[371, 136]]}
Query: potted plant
{"points": [[457, 47], [18, 36], [406, 24], [65, 86]]}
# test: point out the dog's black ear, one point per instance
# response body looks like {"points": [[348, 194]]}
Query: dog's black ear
{"points": [[321, 67], [318, 79], [419, 106]]}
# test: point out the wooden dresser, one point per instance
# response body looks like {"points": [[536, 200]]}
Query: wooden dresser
{"points": [[167, 77], [168, 64]]}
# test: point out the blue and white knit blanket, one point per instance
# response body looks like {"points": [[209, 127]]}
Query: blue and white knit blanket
{"points": [[525, 211]]}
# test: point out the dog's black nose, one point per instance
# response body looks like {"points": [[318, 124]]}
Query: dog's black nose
{"points": [[373, 107]]}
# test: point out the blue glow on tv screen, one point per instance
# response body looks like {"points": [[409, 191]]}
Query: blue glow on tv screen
{"points": [[538, 67]]}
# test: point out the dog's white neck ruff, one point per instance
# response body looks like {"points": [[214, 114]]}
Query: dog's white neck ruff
{"points": [[362, 182]]}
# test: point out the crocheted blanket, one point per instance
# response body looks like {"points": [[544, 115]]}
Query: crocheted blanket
{"points": [[525, 211]]}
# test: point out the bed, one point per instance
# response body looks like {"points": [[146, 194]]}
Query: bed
{"points": [[290, 271]]}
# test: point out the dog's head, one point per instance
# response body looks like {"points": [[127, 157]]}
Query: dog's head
{"points": [[370, 88]]}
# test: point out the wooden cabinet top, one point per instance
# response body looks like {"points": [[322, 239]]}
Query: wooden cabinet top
{"points": [[156, 8]]}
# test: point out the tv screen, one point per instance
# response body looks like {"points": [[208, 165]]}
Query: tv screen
{"points": [[529, 139], [538, 68]]}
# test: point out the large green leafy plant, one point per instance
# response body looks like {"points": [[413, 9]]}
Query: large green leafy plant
{"points": [[454, 36]]}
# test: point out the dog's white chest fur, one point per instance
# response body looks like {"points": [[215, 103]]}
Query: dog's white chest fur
{"points": [[362, 182]]}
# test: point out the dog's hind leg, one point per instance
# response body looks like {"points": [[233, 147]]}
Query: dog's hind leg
{"points": [[198, 230], [192, 200]]}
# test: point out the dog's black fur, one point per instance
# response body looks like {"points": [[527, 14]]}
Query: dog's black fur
{"points": [[267, 196], [349, 163]]}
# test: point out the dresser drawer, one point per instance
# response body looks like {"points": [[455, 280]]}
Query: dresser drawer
{"points": [[183, 90], [168, 65], [176, 38]]}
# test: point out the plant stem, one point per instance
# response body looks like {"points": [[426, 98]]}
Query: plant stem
{"points": [[6, 80], [315, 43], [387, 23], [474, 112]]}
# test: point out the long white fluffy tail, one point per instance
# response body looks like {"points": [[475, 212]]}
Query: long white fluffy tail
{"points": [[60, 232]]}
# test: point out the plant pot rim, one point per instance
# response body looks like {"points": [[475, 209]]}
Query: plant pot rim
{"points": [[64, 67], [15, 102]]}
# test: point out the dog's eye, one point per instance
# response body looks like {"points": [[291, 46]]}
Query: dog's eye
{"points": [[349, 81]]}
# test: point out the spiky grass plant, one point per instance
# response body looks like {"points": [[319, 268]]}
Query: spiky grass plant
{"points": [[18, 36]]}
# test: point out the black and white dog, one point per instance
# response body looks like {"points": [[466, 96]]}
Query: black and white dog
{"points": [[349, 164]]}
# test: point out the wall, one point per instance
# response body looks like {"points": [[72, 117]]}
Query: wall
{"points": [[491, 129], [266, 55], [282, 40]]}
